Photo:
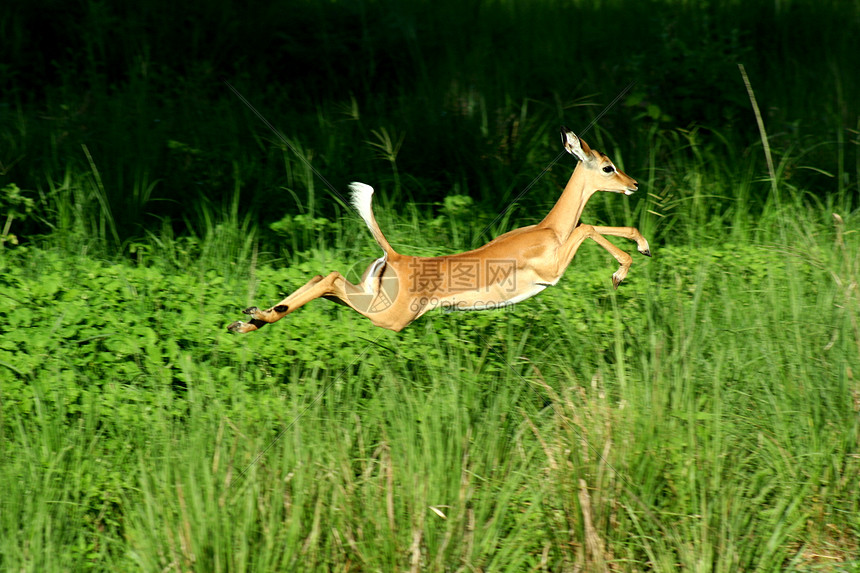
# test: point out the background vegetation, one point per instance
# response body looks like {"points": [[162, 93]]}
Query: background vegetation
{"points": [[703, 417]]}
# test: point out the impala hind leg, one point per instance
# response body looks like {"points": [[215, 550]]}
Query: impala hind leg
{"points": [[332, 286]]}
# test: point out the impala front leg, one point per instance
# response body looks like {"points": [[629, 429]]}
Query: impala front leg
{"points": [[631, 233], [571, 245]]}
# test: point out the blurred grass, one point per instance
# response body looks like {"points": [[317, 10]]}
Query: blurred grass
{"points": [[135, 95]]}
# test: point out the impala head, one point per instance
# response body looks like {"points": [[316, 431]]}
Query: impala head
{"points": [[605, 176]]}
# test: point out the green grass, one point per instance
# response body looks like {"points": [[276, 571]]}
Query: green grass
{"points": [[708, 410], [702, 417]]}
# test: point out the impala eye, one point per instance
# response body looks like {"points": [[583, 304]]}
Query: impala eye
{"points": [[609, 169]]}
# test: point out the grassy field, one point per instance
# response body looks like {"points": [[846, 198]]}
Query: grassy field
{"points": [[704, 417]]}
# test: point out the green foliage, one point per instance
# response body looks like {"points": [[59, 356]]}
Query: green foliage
{"points": [[13, 205], [704, 415]]}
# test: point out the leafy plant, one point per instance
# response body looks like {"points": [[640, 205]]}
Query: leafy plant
{"points": [[14, 206]]}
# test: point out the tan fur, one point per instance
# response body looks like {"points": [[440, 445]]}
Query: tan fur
{"points": [[398, 289]]}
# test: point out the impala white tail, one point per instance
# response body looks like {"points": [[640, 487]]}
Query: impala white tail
{"points": [[362, 200]]}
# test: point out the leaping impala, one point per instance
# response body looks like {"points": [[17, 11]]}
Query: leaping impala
{"points": [[397, 289]]}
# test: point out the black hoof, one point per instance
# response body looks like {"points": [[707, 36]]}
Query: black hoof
{"points": [[646, 252], [250, 310]]}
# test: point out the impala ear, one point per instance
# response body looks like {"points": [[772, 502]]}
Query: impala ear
{"points": [[575, 146]]}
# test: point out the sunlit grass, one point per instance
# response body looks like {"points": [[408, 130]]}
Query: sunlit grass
{"points": [[704, 416]]}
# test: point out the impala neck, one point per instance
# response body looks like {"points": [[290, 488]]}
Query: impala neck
{"points": [[563, 218]]}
